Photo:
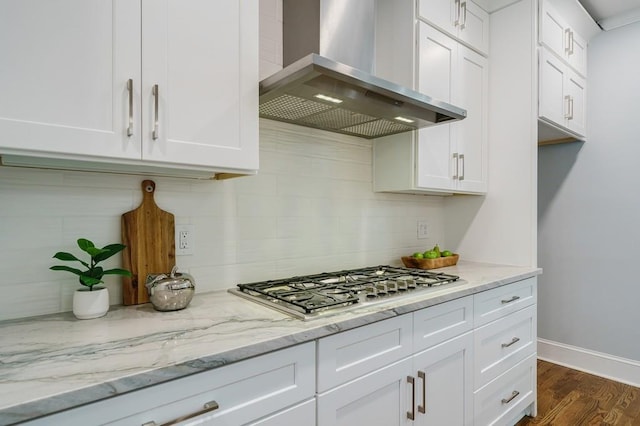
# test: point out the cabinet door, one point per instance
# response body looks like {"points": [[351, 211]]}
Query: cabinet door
{"points": [[462, 19], [474, 26], [551, 103], [472, 132], [443, 14], [552, 29], [437, 68], [202, 57], [381, 398], [575, 90], [444, 383], [556, 34], [63, 78]]}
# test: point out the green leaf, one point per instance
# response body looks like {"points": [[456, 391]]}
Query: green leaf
{"points": [[65, 256], [85, 244], [109, 251], [117, 271], [89, 281], [94, 251], [96, 272], [69, 257], [67, 268]]}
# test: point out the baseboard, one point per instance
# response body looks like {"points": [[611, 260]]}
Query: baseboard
{"points": [[604, 365]]}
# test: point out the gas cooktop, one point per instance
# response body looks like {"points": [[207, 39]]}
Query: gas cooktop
{"points": [[308, 296]]}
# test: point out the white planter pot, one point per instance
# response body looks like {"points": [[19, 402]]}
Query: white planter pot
{"points": [[90, 304]]}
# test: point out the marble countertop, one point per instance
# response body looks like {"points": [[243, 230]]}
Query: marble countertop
{"points": [[55, 362]]}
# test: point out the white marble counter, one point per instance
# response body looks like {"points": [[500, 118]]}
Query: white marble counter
{"points": [[56, 362]]}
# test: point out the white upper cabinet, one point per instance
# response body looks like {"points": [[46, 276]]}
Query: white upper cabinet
{"points": [[562, 94], [462, 19], [64, 77], [446, 158], [453, 156], [162, 83], [202, 56], [556, 33]]}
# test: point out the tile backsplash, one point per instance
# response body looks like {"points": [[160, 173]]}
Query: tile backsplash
{"points": [[310, 209]]}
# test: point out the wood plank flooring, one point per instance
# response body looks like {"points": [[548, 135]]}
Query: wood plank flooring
{"points": [[573, 398]]}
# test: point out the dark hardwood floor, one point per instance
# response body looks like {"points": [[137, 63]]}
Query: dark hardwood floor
{"points": [[573, 398]]}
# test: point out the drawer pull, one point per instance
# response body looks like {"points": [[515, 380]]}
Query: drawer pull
{"points": [[513, 299], [423, 408], [208, 407], [514, 394], [512, 342], [411, 415]]}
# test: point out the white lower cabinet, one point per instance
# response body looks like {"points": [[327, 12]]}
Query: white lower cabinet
{"points": [[502, 401], [379, 398], [444, 389], [254, 391], [415, 369], [505, 353], [432, 387]]}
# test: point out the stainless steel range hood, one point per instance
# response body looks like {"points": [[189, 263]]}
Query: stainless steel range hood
{"points": [[327, 82]]}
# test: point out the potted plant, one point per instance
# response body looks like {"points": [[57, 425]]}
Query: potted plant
{"points": [[91, 301]]}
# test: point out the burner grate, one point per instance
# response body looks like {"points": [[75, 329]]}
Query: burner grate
{"points": [[315, 293]]}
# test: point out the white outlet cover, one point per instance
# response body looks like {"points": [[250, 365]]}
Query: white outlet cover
{"points": [[185, 238]]}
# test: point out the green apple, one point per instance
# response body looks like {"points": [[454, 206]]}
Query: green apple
{"points": [[446, 253], [431, 254]]}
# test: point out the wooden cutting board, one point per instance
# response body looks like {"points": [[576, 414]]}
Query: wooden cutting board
{"points": [[149, 234]]}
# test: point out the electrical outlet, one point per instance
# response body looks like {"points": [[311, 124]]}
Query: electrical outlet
{"points": [[184, 240], [423, 229]]}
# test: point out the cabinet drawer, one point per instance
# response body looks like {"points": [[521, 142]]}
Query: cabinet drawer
{"points": [[492, 304], [499, 401], [442, 322], [503, 343], [351, 354], [244, 391]]}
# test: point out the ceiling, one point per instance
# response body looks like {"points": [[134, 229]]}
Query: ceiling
{"points": [[611, 14]]}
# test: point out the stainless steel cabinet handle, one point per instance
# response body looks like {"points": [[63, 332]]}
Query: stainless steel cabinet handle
{"points": [[457, 20], [512, 342], [513, 299], [567, 46], [455, 162], [570, 107], [156, 95], [463, 7], [461, 157], [567, 114], [513, 395], [130, 89], [411, 415], [571, 42], [208, 407], [423, 408]]}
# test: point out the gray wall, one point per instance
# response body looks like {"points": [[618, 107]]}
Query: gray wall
{"points": [[589, 211]]}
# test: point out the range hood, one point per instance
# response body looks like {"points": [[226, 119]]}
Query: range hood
{"points": [[327, 82]]}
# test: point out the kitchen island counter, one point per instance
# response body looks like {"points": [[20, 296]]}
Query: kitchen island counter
{"points": [[55, 362]]}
